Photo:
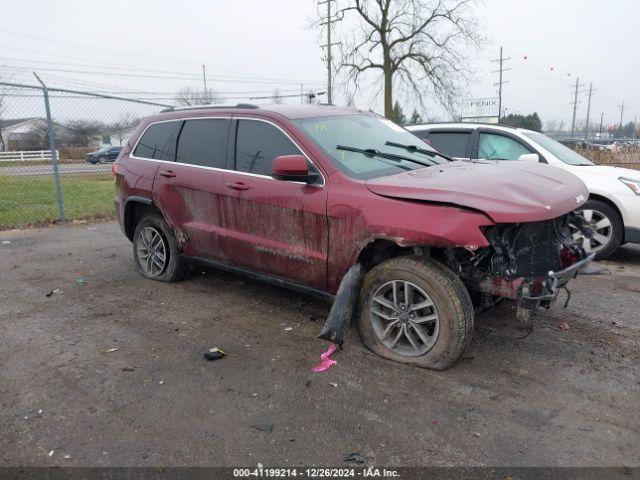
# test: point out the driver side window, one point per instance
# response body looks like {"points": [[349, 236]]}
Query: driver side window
{"points": [[493, 146]]}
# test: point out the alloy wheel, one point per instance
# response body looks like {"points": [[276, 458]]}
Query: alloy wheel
{"points": [[601, 227], [404, 318], [152, 251]]}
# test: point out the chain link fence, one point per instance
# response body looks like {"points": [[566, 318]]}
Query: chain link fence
{"points": [[56, 152]]}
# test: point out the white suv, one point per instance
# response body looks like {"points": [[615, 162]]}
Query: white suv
{"points": [[613, 209]]}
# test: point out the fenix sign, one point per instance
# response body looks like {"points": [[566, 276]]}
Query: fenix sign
{"points": [[480, 109]]}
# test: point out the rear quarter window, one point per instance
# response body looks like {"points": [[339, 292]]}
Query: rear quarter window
{"points": [[158, 142]]}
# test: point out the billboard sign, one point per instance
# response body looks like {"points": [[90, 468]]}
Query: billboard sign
{"points": [[480, 110]]}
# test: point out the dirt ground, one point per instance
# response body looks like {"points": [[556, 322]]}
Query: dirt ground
{"points": [[555, 398]]}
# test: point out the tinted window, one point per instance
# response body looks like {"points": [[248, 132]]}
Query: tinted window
{"points": [[257, 144], [159, 141], [494, 146], [423, 134], [204, 142], [453, 144]]}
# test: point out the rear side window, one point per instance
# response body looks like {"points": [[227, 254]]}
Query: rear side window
{"points": [[453, 144], [257, 144], [204, 142], [159, 141], [499, 147]]}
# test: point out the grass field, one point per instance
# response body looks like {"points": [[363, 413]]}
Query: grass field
{"points": [[27, 200]]}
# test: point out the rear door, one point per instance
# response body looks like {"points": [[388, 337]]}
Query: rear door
{"points": [[188, 187], [274, 227]]}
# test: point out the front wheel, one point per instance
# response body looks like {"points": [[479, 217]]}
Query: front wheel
{"points": [[156, 252], [606, 225], [414, 310]]}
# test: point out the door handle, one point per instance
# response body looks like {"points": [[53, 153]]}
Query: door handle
{"points": [[167, 173], [237, 186]]}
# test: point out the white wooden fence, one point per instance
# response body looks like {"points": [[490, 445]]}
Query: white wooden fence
{"points": [[26, 156]]}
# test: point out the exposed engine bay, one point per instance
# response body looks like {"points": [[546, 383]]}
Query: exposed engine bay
{"points": [[527, 262]]}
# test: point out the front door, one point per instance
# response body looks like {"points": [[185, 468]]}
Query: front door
{"points": [[275, 227]]}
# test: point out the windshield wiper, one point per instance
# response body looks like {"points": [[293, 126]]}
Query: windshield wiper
{"points": [[372, 152], [415, 148]]}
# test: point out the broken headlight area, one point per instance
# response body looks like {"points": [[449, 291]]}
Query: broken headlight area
{"points": [[527, 262]]}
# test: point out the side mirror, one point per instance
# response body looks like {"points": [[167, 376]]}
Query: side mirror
{"points": [[530, 157], [291, 168]]}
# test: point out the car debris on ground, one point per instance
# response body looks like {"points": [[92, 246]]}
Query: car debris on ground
{"points": [[325, 362], [214, 354]]}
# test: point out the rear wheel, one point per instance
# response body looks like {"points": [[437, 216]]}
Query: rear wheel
{"points": [[156, 252], [607, 227], [413, 310]]}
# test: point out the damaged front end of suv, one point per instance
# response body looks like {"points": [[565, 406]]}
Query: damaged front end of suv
{"points": [[526, 262]]}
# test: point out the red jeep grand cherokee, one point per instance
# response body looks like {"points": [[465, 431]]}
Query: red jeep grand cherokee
{"points": [[300, 195]]}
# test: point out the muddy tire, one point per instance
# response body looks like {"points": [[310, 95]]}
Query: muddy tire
{"points": [[156, 252], [421, 306]]}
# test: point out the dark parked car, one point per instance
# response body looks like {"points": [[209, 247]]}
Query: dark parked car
{"points": [[104, 154], [304, 196]]}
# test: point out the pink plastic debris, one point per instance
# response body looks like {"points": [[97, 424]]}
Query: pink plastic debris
{"points": [[325, 361]]}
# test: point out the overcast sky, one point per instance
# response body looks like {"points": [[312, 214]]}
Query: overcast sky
{"points": [[252, 46]]}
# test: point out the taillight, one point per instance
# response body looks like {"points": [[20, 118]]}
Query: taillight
{"points": [[114, 168]]}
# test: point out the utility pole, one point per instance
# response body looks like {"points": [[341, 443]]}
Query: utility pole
{"points": [[586, 127], [621, 107], [601, 117], [328, 23], [575, 105], [204, 81], [501, 82]]}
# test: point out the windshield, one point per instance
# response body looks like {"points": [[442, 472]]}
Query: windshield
{"points": [[563, 153], [360, 134]]}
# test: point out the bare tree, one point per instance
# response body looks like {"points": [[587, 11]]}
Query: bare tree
{"points": [[417, 44], [123, 126], [188, 96], [36, 138], [81, 133]]}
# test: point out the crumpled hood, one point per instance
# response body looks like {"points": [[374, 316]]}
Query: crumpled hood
{"points": [[507, 192]]}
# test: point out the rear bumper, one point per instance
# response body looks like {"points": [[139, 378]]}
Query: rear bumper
{"points": [[117, 203]]}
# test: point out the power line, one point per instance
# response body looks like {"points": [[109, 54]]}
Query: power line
{"points": [[184, 77], [107, 66]]}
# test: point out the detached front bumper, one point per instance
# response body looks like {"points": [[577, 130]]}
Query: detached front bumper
{"points": [[562, 277]]}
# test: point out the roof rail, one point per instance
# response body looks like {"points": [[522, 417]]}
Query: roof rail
{"points": [[208, 106]]}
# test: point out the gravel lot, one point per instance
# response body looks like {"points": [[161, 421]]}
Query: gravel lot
{"points": [[555, 398]]}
